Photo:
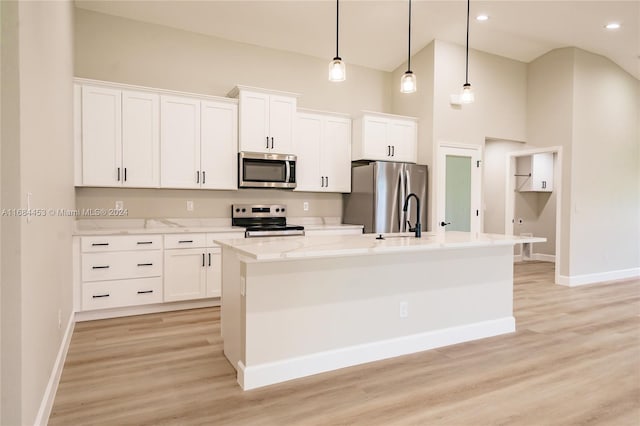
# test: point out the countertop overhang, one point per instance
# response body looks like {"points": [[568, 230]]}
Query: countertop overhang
{"points": [[291, 248]]}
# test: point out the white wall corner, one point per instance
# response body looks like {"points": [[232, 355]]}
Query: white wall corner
{"points": [[49, 396]]}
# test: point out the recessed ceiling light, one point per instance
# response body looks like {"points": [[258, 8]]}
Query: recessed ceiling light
{"points": [[482, 17], [612, 26]]}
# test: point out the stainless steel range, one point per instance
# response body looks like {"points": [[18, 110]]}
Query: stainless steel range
{"points": [[263, 220]]}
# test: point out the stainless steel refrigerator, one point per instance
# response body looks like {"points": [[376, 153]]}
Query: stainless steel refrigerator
{"points": [[378, 193]]}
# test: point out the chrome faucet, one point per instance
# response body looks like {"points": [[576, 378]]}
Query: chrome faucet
{"points": [[418, 228]]}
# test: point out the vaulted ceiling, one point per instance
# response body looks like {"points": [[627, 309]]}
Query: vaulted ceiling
{"points": [[374, 33]]}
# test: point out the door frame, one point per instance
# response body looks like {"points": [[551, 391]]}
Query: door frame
{"points": [[510, 187], [466, 150]]}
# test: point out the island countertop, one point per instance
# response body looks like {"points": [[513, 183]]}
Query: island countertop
{"points": [[289, 248]]}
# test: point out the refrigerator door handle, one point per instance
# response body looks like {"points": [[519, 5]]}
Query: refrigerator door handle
{"points": [[401, 189]]}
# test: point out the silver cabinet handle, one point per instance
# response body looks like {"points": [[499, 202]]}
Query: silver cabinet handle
{"points": [[145, 264], [185, 241], [267, 142], [100, 267], [145, 291], [209, 259], [204, 177], [271, 142], [144, 242], [198, 176], [99, 244], [118, 174]]}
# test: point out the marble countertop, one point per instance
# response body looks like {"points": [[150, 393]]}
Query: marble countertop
{"points": [[188, 225], [290, 248]]}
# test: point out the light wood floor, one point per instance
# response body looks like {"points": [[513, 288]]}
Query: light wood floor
{"points": [[575, 360]]}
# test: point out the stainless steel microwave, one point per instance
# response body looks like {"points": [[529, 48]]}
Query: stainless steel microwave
{"points": [[261, 170]]}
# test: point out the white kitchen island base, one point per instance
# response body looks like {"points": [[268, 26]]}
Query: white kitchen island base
{"points": [[292, 307]]}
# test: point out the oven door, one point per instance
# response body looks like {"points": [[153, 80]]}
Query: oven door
{"points": [[259, 170]]}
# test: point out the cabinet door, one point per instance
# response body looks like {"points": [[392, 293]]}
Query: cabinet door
{"points": [[375, 141], [214, 272], [140, 139], [219, 145], [184, 274], [542, 172], [282, 112], [101, 136], [336, 155], [254, 122], [307, 148], [403, 140], [180, 142]]}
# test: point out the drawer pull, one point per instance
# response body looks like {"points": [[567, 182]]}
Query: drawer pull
{"points": [[145, 291], [99, 244], [100, 267], [98, 296], [145, 264], [185, 241], [144, 242]]}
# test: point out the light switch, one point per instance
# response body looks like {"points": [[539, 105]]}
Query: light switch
{"points": [[190, 206]]}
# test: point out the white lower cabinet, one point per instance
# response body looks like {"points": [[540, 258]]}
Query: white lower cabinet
{"points": [[192, 265], [118, 271]]}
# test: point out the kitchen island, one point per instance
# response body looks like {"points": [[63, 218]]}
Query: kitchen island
{"points": [[296, 306]]}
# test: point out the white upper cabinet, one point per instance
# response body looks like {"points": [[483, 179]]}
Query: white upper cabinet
{"points": [[535, 172], [119, 137], [180, 142], [101, 136], [385, 137], [323, 148], [198, 140], [266, 120], [140, 139], [218, 145]]}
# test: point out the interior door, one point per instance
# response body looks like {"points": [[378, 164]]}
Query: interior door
{"points": [[458, 206]]}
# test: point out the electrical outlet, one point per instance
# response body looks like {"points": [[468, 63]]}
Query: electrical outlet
{"points": [[404, 309], [189, 206], [119, 205], [305, 206]]}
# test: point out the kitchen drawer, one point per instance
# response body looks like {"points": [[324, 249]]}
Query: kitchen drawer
{"points": [[212, 236], [121, 243], [178, 241], [115, 294], [121, 265]]}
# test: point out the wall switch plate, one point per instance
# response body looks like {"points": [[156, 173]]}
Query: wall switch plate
{"points": [[305, 206], [404, 309], [189, 206], [119, 205]]}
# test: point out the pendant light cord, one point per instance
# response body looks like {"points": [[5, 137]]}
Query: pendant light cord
{"points": [[409, 52], [466, 78], [337, 25]]}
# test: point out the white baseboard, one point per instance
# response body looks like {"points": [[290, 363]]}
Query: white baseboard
{"points": [[275, 372], [49, 396], [145, 309], [577, 280], [536, 256]]}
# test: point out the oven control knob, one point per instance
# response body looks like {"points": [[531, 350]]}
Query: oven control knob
{"points": [[237, 210], [277, 210], [282, 209], [244, 210]]}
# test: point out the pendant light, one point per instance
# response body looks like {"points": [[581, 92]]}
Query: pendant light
{"points": [[408, 82], [337, 69], [467, 96]]}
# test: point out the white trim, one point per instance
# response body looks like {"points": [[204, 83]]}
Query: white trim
{"points": [[279, 371], [599, 277], [42, 418], [145, 309], [509, 205], [154, 90], [543, 257]]}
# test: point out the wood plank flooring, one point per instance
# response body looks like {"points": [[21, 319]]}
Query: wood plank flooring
{"points": [[574, 360]]}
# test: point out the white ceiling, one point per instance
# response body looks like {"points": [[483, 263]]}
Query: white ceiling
{"points": [[374, 33]]}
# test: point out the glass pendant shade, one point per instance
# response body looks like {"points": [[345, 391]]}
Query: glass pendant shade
{"points": [[337, 70], [467, 96], [408, 83]]}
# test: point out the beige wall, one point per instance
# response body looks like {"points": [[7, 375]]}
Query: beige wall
{"points": [[589, 106], [500, 86], [36, 256], [126, 51], [605, 169]]}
